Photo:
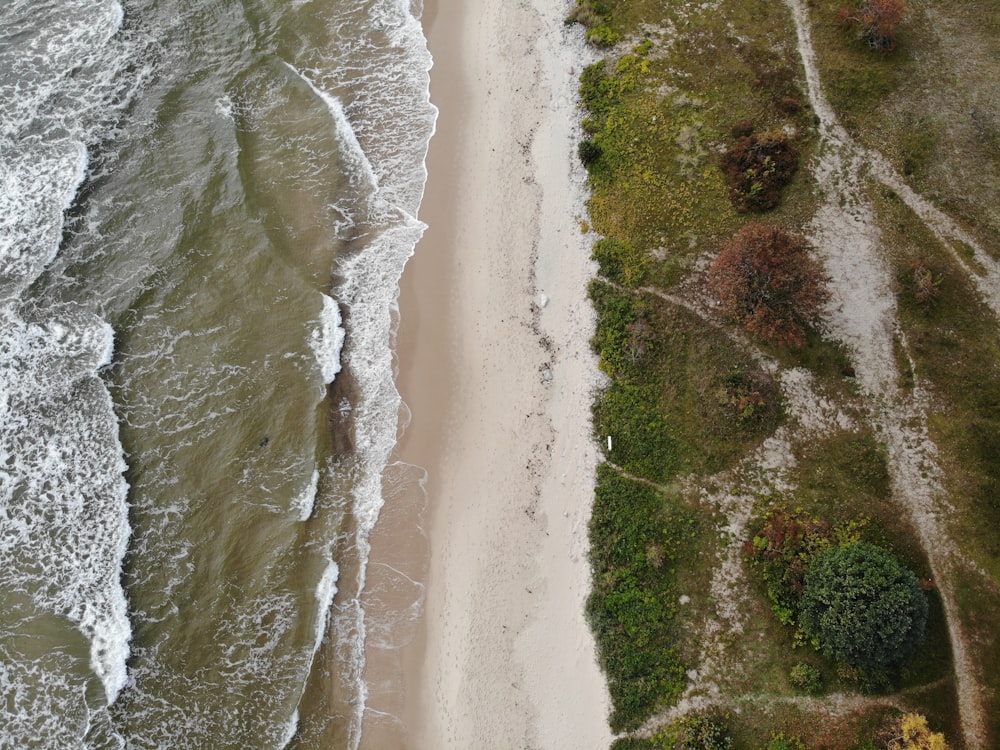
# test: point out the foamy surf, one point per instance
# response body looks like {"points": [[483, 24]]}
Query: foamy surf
{"points": [[327, 340], [63, 464], [63, 460], [387, 156], [63, 516], [166, 177]]}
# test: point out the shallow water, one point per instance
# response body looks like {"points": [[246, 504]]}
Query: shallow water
{"points": [[199, 201]]}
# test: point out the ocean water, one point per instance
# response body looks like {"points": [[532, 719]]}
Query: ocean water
{"points": [[205, 208]]}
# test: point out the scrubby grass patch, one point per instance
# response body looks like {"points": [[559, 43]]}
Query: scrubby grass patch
{"points": [[955, 351], [979, 605], [825, 358], [846, 466], [922, 105], [683, 398], [686, 402], [755, 724], [661, 115], [638, 535], [857, 80], [654, 184]]}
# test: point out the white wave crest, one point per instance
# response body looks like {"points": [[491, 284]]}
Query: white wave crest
{"points": [[327, 339], [305, 500], [37, 185], [325, 591], [345, 133]]}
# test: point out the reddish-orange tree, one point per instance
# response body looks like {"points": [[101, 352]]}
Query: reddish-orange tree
{"points": [[877, 21], [767, 281]]}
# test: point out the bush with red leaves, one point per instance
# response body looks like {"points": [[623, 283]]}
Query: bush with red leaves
{"points": [[766, 281], [781, 550], [876, 21], [757, 168]]}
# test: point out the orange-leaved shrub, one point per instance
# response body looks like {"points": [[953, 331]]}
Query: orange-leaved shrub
{"points": [[766, 280], [876, 21], [910, 731]]}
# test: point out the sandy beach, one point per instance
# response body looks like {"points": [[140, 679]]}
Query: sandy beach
{"points": [[496, 369]]}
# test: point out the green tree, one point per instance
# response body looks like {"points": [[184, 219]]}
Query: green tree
{"points": [[862, 606]]}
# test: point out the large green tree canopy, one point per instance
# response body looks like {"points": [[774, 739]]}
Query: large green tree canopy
{"points": [[863, 606]]}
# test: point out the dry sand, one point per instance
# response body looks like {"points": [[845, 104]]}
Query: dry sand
{"points": [[496, 368]]}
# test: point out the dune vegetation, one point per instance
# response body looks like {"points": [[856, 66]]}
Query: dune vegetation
{"points": [[795, 217]]}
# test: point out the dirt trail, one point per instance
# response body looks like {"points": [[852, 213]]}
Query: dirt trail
{"points": [[863, 316], [810, 415]]}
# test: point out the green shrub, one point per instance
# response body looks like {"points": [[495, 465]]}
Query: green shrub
{"points": [[603, 36], [868, 680], [620, 263], [632, 605], [706, 732], [589, 152], [862, 606], [644, 441], [616, 312], [782, 741], [752, 394], [781, 550], [595, 16], [806, 679], [595, 84], [634, 743]]}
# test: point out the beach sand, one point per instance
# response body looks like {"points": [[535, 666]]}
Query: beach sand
{"points": [[496, 368]]}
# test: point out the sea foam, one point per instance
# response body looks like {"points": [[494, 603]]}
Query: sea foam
{"points": [[327, 339], [388, 153], [63, 515]]}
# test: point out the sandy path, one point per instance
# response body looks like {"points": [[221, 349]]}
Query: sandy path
{"points": [[499, 380], [863, 316]]}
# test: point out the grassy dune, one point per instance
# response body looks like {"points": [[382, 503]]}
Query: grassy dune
{"points": [[711, 428]]}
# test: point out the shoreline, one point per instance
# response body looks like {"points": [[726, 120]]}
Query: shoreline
{"points": [[499, 381]]}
